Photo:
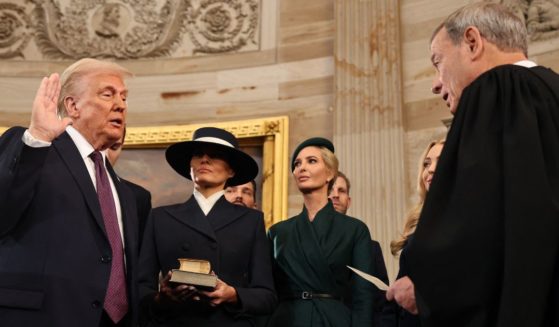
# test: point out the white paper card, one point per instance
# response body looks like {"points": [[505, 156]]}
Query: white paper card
{"points": [[370, 278]]}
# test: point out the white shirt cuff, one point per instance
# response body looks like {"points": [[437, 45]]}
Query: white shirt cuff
{"points": [[31, 141]]}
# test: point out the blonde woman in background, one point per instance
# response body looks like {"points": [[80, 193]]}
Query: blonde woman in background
{"points": [[394, 315]]}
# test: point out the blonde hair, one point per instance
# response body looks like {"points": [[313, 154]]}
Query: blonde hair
{"points": [[72, 77], [332, 163], [412, 217]]}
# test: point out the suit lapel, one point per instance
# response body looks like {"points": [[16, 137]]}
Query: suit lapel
{"points": [[224, 213], [191, 215], [69, 153]]}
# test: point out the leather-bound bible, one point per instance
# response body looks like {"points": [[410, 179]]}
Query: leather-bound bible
{"points": [[196, 273]]}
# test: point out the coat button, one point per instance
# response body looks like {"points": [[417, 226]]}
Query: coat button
{"points": [[186, 247], [105, 259], [95, 304], [213, 246]]}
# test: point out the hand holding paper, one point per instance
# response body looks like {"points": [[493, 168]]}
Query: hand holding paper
{"points": [[403, 287], [403, 292]]}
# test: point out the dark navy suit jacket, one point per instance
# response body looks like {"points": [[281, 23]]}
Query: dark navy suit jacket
{"points": [[54, 253]]}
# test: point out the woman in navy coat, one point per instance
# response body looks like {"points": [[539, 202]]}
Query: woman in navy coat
{"points": [[208, 227]]}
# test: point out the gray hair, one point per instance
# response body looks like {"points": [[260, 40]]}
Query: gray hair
{"points": [[495, 22], [72, 77]]}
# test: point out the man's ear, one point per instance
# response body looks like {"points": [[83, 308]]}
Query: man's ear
{"points": [[474, 42], [71, 107], [348, 202]]}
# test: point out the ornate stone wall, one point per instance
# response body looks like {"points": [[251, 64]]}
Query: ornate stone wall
{"points": [[127, 29], [288, 72], [541, 17]]}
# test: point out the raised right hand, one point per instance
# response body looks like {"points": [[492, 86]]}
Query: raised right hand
{"points": [[45, 124]]}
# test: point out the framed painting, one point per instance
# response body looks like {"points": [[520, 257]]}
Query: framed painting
{"points": [[143, 161]]}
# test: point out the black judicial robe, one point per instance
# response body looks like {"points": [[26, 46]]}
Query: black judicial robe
{"points": [[312, 256], [486, 250]]}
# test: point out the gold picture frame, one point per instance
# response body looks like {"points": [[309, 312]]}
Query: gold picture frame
{"points": [[270, 133]]}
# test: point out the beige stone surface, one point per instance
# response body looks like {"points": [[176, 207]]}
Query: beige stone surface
{"points": [[294, 75]]}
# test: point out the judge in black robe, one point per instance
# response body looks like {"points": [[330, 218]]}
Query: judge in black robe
{"points": [[487, 245], [486, 250]]}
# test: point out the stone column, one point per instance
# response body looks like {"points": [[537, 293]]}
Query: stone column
{"points": [[368, 123]]}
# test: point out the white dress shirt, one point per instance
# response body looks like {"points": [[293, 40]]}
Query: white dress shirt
{"points": [[526, 63], [206, 204], [85, 150]]}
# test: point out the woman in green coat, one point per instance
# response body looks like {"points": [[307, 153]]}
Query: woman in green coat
{"points": [[313, 249]]}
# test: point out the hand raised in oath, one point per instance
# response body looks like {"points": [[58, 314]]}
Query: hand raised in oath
{"points": [[45, 123]]}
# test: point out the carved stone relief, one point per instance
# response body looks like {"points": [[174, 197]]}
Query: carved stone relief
{"points": [[127, 29], [15, 30], [223, 25], [543, 19], [540, 16]]}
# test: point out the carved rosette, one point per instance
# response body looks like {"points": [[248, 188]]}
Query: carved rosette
{"points": [[217, 26], [15, 30], [127, 29]]}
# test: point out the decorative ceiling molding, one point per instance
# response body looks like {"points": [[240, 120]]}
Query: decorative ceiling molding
{"points": [[127, 29]]}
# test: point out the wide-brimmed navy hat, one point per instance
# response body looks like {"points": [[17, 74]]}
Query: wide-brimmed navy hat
{"points": [[179, 154], [313, 141]]}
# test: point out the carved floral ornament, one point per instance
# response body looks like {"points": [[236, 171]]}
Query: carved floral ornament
{"points": [[15, 30], [128, 29], [540, 16]]}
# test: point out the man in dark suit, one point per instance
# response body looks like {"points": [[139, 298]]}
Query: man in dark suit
{"points": [[143, 196], [208, 227], [68, 234], [339, 195]]}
